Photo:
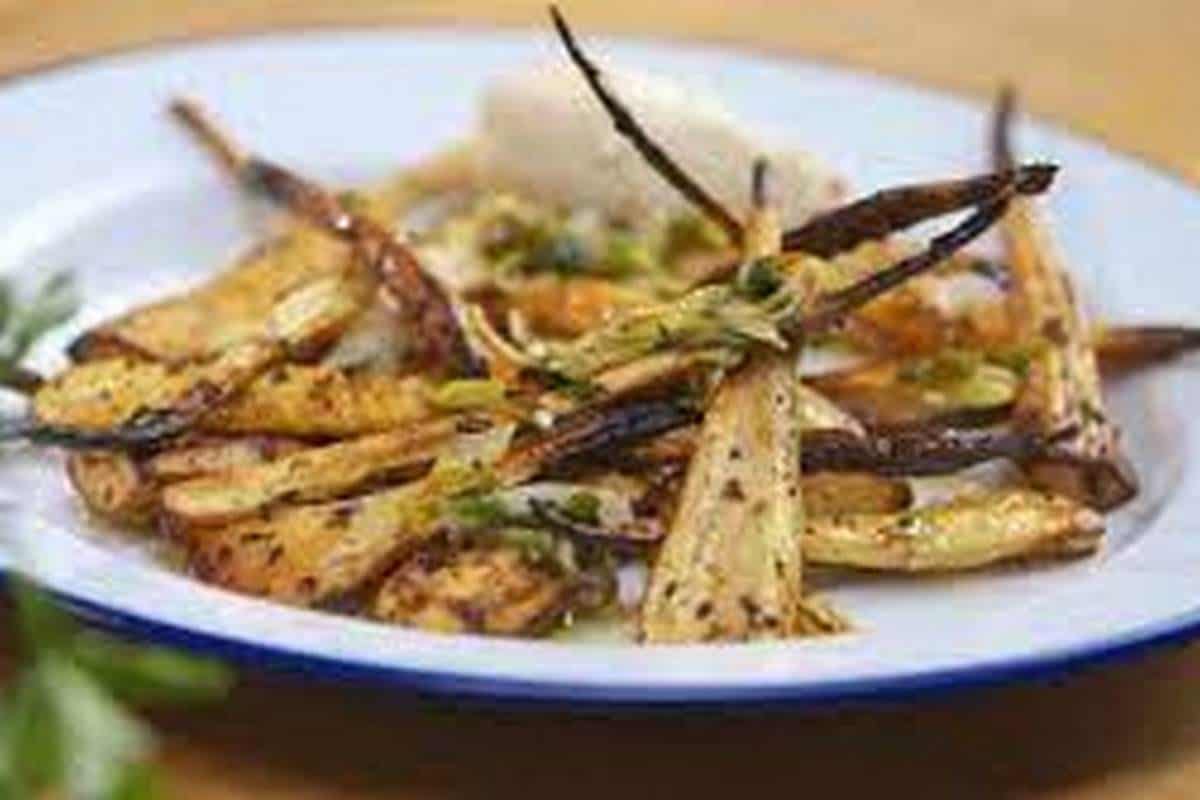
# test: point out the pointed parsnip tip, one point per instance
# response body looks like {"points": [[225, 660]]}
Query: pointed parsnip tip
{"points": [[201, 124], [1002, 116], [1034, 178], [627, 125]]}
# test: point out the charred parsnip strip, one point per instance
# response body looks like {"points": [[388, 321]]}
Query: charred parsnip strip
{"points": [[918, 452], [481, 588], [439, 341], [594, 430], [192, 459], [222, 312], [1121, 349], [916, 319], [305, 401], [130, 405], [816, 412], [289, 400], [631, 130], [127, 489], [315, 474], [828, 493], [114, 487], [972, 532], [730, 567], [832, 306], [892, 210], [1063, 388], [959, 387], [310, 554], [914, 453]]}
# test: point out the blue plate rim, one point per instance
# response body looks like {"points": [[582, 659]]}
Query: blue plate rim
{"points": [[515, 693]]}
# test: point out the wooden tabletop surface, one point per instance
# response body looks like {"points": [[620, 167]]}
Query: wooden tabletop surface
{"points": [[1122, 70]]}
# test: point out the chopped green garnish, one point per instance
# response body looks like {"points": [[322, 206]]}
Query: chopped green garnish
{"points": [[583, 507], [945, 367], [468, 394], [1016, 359], [561, 252], [479, 510], [626, 254], [760, 279], [23, 324], [536, 543]]}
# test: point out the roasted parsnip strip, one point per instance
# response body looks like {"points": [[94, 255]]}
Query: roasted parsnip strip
{"points": [[127, 489], [818, 618], [478, 588], [228, 309], [730, 567], [892, 210], [918, 452], [593, 430], [315, 474], [303, 401], [129, 405], [210, 456], [828, 493], [1063, 387], [439, 341], [816, 412], [911, 452], [628, 127], [830, 307], [956, 386], [968, 533], [114, 487], [1122, 349], [84, 406], [309, 554]]}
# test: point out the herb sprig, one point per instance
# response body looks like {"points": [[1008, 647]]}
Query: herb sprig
{"points": [[23, 324], [65, 730], [64, 725]]}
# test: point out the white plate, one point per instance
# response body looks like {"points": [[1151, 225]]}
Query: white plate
{"points": [[98, 180]]}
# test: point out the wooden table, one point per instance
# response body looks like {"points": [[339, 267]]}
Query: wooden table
{"points": [[1119, 69]]}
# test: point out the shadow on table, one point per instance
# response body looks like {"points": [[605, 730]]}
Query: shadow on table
{"points": [[288, 739]]}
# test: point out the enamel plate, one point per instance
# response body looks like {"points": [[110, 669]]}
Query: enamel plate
{"points": [[97, 179]]}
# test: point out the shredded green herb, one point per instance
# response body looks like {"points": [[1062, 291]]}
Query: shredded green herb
{"points": [[468, 394], [23, 324], [65, 729], [583, 507]]}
